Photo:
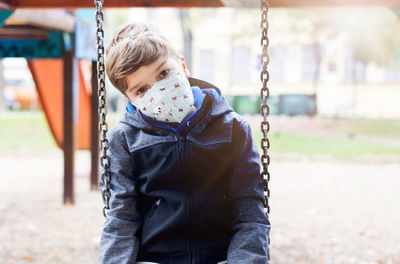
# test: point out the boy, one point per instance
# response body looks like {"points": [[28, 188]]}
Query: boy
{"points": [[185, 174]]}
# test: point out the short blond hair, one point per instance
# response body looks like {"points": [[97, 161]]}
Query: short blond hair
{"points": [[132, 46]]}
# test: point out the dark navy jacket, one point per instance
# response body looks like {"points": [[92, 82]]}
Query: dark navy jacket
{"points": [[191, 194]]}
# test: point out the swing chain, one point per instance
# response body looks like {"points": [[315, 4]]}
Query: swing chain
{"points": [[265, 144], [265, 176], [103, 127]]}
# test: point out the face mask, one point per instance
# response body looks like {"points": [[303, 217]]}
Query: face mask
{"points": [[168, 100]]}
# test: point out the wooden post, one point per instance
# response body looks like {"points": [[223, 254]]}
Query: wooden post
{"points": [[94, 130], [68, 114]]}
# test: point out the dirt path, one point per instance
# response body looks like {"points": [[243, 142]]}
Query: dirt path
{"points": [[324, 211], [335, 212]]}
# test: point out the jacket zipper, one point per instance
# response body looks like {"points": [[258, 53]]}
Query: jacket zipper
{"points": [[181, 143], [181, 149], [154, 208], [151, 211], [192, 244], [192, 247]]}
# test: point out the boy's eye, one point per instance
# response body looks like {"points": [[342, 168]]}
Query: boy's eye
{"points": [[164, 73], [141, 91]]}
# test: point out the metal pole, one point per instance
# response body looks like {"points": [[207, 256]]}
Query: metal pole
{"points": [[68, 128]]}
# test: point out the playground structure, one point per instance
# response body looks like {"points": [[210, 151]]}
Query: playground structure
{"points": [[63, 81], [193, 3], [60, 68]]}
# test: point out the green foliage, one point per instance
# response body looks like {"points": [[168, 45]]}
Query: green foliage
{"points": [[312, 145], [25, 129], [28, 129], [368, 127]]}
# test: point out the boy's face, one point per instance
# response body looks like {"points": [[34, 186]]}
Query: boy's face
{"points": [[142, 79]]}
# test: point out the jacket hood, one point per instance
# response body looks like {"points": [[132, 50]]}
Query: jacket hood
{"points": [[219, 106]]}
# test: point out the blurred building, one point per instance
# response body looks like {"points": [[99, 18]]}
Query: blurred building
{"points": [[307, 56], [19, 89]]}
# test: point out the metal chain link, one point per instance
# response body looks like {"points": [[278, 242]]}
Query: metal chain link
{"points": [[264, 106], [103, 127]]}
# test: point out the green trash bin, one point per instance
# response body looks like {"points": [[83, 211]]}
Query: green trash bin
{"points": [[251, 104], [246, 104]]}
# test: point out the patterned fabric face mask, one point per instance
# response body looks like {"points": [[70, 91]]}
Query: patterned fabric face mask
{"points": [[168, 100]]}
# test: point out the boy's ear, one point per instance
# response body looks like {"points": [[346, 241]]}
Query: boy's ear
{"points": [[184, 67]]}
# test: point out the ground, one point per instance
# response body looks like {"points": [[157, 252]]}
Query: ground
{"points": [[334, 193], [323, 210]]}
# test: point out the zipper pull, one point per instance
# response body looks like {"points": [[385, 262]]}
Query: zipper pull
{"points": [[153, 208]]}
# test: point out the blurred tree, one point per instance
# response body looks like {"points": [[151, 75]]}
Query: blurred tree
{"points": [[373, 32], [186, 22], [115, 17]]}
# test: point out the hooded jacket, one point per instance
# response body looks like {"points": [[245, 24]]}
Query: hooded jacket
{"points": [[190, 194]]}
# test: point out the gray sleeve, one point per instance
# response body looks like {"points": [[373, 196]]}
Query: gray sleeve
{"points": [[119, 241], [250, 223], [249, 243]]}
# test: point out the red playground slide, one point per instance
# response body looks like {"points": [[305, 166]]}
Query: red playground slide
{"points": [[48, 77]]}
